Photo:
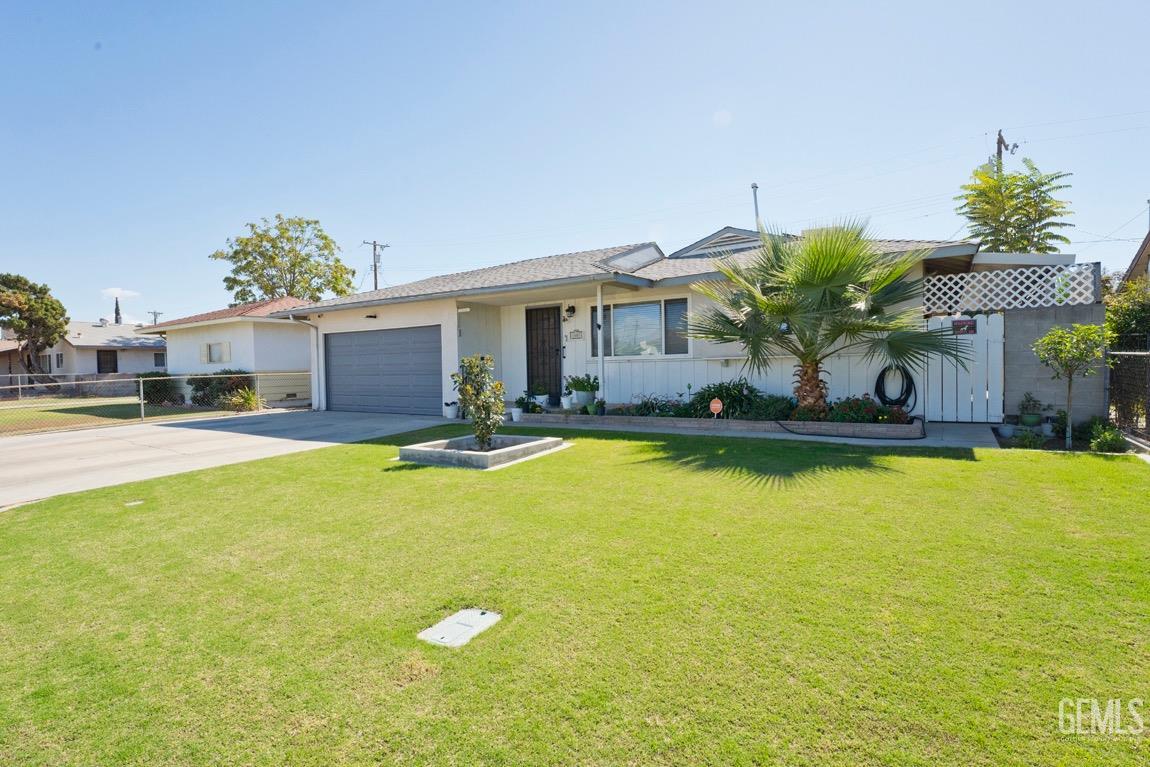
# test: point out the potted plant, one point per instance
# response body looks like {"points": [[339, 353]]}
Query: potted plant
{"points": [[600, 407], [1006, 430], [583, 388], [451, 410], [567, 399], [528, 404], [589, 409], [540, 395], [1030, 410], [516, 413]]}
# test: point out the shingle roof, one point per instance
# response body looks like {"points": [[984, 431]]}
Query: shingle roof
{"points": [[685, 266], [93, 334], [254, 309], [585, 263], [589, 264]]}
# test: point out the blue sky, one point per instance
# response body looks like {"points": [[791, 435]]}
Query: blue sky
{"points": [[137, 137]]}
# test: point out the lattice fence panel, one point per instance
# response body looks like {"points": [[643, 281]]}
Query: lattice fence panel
{"points": [[1032, 287]]}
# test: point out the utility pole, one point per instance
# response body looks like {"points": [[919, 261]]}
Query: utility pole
{"points": [[1002, 144], [376, 250], [155, 316]]}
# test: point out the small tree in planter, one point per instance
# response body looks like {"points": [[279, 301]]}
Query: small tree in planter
{"points": [[481, 396], [1070, 352]]}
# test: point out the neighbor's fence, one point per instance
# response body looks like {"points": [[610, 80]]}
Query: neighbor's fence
{"points": [[1130, 391], [1032, 287], [43, 405]]}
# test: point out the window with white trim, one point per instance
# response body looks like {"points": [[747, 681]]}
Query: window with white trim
{"points": [[216, 352], [642, 329]]}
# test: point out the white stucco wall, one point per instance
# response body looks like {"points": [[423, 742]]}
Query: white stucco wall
{"points": [[417, 314], [282, 346], [184, 348]]}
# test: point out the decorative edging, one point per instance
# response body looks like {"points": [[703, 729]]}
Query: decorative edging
{"points": [[912, 430], [461, 452]]}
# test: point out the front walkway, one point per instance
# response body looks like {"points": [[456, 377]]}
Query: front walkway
{"points": [[36, 466]]}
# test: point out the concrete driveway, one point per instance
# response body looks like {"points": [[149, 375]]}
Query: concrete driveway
{"points": [[43, 465]]}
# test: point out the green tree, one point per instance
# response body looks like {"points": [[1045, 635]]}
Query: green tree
{"points": [[1128, 315], [285, 257], [480, 396], [36, 317], [1015, 211], [827, 293], [1072, 351]]}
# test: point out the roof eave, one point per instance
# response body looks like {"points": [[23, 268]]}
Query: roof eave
{"points": [[618, 277], [161, 329]]}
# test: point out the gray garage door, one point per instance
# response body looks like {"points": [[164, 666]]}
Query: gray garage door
{"points": [[385, 371]]}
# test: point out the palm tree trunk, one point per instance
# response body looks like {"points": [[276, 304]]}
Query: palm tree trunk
{"points": [[810, 391]]}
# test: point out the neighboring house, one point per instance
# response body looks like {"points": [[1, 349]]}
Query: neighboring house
{"points": [[92, 349], [1140, 265], [393, 350], [243, 337]]}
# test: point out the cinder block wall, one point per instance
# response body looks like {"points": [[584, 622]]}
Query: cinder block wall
{"points": [[1024, 373]]}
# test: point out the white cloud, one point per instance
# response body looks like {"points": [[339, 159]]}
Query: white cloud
{"points": [[119, 293], [722, 118]]}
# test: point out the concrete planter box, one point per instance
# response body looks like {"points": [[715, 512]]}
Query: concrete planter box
{"points": [[461, 451], [912, 430]]}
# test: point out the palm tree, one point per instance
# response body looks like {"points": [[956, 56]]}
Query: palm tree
{"points": [[827, 293]]}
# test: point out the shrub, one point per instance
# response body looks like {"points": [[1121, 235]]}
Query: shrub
{"points": [[207, 390], [855, 410], [772, 407], [652, 405], [243, 400], [894, 415], [161, 389], [1107, 439], [1029, 440], [739, 398], [809, 413], [481, 396]]}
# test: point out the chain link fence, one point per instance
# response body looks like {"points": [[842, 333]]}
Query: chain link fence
{"points": [[40, 403]]}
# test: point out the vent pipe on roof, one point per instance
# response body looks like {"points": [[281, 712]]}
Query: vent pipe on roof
{"points": [[755, 194]]}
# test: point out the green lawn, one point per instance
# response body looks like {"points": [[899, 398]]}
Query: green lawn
{"points": [[667, 600], [53, 413]]}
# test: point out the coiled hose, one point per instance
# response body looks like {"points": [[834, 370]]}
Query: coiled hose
{"points": [[906, 394]]}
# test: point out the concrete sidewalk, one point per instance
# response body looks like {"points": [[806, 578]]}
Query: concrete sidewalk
{"points": [[39, 466]]}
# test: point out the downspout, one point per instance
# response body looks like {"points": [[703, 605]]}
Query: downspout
{"points": [[599, 339], [316, 403]]}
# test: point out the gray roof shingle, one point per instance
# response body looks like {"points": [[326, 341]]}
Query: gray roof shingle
{"points": [[583, 264]]}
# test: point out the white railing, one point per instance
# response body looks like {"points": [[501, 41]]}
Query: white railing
{"points": [[1031, 287]]}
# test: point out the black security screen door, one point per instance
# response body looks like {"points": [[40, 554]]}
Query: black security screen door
{"points": [[545, 351]]}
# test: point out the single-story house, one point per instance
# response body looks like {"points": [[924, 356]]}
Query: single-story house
{"points": [[244, 337], [394, 349], [1140, 264], [96, 349]]}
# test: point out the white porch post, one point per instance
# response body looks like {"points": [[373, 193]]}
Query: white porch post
{"points": [[599, 340]]}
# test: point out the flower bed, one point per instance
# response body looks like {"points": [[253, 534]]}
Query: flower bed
{"points": [[912, 430]]}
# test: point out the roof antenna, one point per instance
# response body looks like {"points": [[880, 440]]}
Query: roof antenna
{"points": [[755, 194]]}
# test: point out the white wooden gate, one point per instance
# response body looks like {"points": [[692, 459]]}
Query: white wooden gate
{"points": [[974, 393]]}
